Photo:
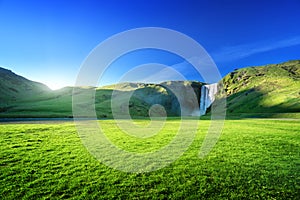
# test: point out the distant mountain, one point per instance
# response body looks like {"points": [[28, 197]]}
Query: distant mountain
{"points": [[21, 97], [14, 87], [264, 91], [144, 95]]}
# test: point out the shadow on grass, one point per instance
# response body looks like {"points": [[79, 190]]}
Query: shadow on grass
{"points": [[249, 104]]}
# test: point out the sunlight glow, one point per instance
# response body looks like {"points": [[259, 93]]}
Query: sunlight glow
{"points": [[55, 85]]}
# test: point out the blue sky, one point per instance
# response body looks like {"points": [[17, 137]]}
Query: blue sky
{"points": [[47, 41]]}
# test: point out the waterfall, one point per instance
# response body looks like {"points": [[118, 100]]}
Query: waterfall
{"points": [[207, 97]]}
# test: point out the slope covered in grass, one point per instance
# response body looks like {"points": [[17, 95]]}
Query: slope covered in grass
{"points": [[143, 96], [20, 97], [264, 91], [14, 88]]}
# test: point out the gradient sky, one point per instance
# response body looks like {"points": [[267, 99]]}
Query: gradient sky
{"points": [[47, 41]]}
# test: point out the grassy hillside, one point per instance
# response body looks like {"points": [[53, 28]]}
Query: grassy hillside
{"points": [[13, 87], [264, 91], [142, 96], [20, 97]]}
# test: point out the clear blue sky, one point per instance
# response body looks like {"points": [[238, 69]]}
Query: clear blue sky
{"points": [[47, 41]]}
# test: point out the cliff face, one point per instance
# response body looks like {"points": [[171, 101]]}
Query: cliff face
{"points": [[176, 97]]}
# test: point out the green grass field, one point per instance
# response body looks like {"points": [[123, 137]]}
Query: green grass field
{"points": [[253, 159]]}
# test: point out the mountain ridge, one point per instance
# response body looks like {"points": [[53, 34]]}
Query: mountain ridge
{"points": [[273, 88], [260, 91], [14, 86]]}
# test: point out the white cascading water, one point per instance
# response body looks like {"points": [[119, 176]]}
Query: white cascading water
{"points": [[207, 97]]}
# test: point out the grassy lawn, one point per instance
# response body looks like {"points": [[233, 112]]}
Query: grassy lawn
{"points": [[253, 159]]}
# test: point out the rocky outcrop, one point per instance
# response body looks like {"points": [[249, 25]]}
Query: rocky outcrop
{"points": [[185, 98], [176, 97]]}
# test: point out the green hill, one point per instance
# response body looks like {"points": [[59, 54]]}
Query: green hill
{"points": [[21, 97], [16, 90], [142, 96], [13, 87], [264, 91]]}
